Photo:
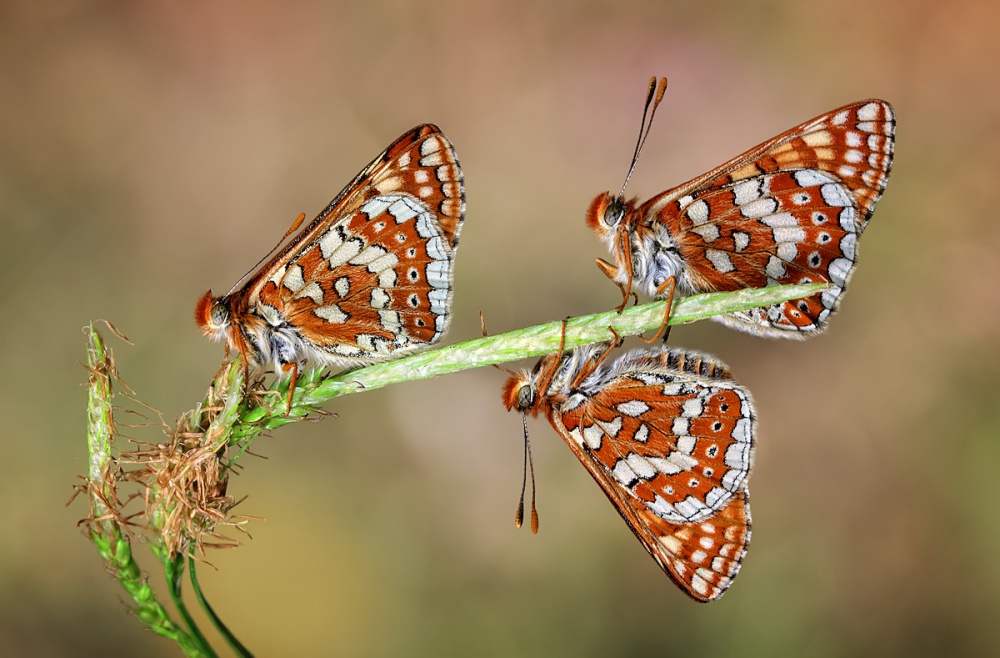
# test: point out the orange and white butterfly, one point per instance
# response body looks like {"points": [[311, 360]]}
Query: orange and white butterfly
{"points": [[669, 436], [790, 210], [370, 279]]}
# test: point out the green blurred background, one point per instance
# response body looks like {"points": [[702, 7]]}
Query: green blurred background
{"points": [[151, 150]]}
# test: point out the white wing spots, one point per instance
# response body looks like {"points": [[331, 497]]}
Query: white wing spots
{"points": [[420, 176], [439, 301], [684, 201], [633, 408], [278, 275], [378, 205], [342, 286], [345, 252], [673, 546], [426, 227], [848, 245], [403, 209], [331, 313], [742, 430], [312, 291], [681, 426], [819, 218], [404, 161], [759, 208], [697, 212], [436, 248], [708, 232], [737, 458], [692, 408], [854, 156], [716, 496], [789, 234], [830, 297], [811, 178], [387, 279], [625, 475], [383, 263], [787, 251], [611, 429], [379, 298], [432, 144], [641, 466], [780, 220], [691, 508], [438, 273], [642, 433], [270, 314], [390, 321], [801, 198], [840, 118], [853, 139], [719, 260], [677, 462], [685, 444], [331, 241], [293, 278], [869, 112], [593, 435], [698, 557], [818, 138], [848, 219], [370, 254], [836, 195], [840, 269], [374, 344], [745, 192], [847, 171], [425, 191], [775, 269], [741, 240]]}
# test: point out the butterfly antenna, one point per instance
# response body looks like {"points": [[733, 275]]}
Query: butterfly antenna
{"points": [[528, 464], [291, 229], [653, 97]]}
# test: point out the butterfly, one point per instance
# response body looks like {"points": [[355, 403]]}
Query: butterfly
{"points": [[368, 280], [790, 210], [669, 436]]}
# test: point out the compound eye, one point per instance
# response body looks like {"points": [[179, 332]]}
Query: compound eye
{"points": [[614, 212], [220, 314], [525, 397]]}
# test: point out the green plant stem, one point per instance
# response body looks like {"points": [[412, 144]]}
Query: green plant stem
{"points": [[106, 530]]}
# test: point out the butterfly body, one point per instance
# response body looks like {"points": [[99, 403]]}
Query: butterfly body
{"points": [[791, 210], [668, 435], [369, 279]]}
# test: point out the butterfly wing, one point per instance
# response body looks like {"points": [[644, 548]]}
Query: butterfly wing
{"points": [[788, 211], [701, 557], [679, 442], [372, 275]]}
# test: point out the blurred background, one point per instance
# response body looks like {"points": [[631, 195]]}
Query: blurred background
{"points": [[150, 151]]}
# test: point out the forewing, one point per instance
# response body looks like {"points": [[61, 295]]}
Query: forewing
{"points": [[702, 557], [677, 443], [789, 211], [376, 283]]}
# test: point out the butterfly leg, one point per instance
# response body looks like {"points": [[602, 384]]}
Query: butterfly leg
{"points": [[294, 367], [664, 329], [610, 271]]}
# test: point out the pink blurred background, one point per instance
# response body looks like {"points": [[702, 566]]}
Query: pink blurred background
{"points": [[149, 151]]}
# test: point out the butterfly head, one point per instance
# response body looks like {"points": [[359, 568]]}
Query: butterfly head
{"points": [[521, 393], [212, 315], [607, 213]]}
